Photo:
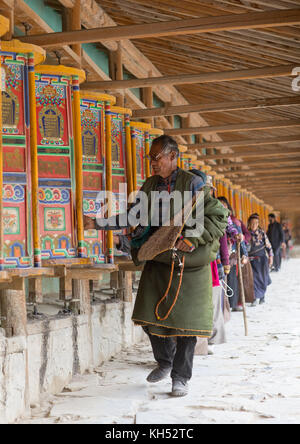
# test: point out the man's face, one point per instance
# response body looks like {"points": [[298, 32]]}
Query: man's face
{"points": [[162, 164], [271, 220], [254, 224]]}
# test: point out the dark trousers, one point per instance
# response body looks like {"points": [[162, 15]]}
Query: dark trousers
{"points": [[175, 353], [277, 258], [233, 282]]}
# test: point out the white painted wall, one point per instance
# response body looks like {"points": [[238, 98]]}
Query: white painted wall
{"points": [[55, 350]]}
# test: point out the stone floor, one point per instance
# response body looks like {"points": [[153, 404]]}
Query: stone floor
{"points": [[249, 380]]}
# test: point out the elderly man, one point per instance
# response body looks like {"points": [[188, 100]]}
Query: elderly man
{"points": [[174, 304], [276, 237]]}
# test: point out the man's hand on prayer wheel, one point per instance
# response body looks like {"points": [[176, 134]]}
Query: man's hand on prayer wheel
{"points": [[116, 240], [89, 223]]}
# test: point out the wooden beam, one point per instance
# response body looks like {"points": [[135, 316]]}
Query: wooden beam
{"points": [[216, 107], [274, 187], [259, 162], [252, 126], [67, 3], [7, 10], [188, 79], [256, 171], [250, 154], [246, 142], [255, 20], [253, 179]]}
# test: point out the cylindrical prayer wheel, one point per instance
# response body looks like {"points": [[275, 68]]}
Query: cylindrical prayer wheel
{"points": [[153, 134], [187, 160], [121, 149], [139, 134], [18, 155], [182, 149], [121, 158], [219, 185], [92, 106], [60, 169]]}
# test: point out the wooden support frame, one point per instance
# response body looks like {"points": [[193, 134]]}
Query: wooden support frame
{"points": [[295, 170], [13, 308], [188, 79], [246, 142], [254, 153], [254, 20], [169, 110], [252, 126]]}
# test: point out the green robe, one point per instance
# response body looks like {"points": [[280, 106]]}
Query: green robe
{"points": [[192, 314]]}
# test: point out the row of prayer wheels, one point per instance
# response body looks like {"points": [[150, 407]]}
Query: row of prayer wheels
{"points": [[60, 147]]}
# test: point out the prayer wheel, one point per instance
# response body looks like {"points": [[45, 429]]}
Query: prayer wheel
{"points": [[188, 161], [59, 152], [18, 146], [182, 149], [237, 201], [121, 152], [93, 107], [139, 135], [153, 134], [121, 159]]}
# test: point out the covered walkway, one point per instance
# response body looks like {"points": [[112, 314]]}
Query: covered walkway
{"points": [[248, 380]]}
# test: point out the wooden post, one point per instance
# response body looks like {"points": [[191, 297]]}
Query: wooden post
{"points": [[116, 72], [9, 14], [65, 289], [78, 166], [118, 60], [148, 100], [13, 308], [124, 290], [108, 179], [34, 165], [186, 122], [81, 301], [76, 24], [35, 291]]}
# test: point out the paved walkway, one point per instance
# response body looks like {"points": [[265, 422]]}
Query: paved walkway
{"points": [[248, 380]]}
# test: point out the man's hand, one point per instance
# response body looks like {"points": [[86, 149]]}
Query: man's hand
{"points": [[245, 260], [116, 240], [239, 237], [89, 223], [227, 269], [182, 246]]}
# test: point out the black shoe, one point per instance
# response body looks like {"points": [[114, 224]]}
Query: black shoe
{"points": [[262, 301], [158, 374], [239, 308]]}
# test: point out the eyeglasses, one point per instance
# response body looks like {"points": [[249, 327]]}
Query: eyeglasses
{"points": [[154, 158]]}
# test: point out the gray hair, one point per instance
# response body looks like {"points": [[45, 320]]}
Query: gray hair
{"points": [[169, 145]]}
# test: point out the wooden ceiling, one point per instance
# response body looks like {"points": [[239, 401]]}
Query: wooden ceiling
{"points": [[227, 51], [210, 53]]}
